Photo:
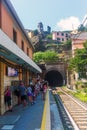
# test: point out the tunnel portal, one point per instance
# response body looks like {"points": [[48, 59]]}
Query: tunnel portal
{"points": [[54, 78]]}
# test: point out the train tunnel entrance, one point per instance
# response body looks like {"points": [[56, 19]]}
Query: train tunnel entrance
{"points": [[54, 78]]}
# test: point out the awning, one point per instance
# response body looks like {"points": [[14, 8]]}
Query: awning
{"points": [[10, 51]]}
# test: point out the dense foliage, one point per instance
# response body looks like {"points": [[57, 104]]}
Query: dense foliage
{"points": [[49, 36], [79, 62], [47, 56]]}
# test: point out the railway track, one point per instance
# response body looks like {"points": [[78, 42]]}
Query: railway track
{"points": [[77, 111]]}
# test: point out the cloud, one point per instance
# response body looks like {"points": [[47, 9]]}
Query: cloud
{"points": [[70, 23]]}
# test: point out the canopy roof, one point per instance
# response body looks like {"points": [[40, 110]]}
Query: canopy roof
{"points": [[10, 51]]}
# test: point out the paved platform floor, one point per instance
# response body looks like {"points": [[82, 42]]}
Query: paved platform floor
{"points": [[30, 117]]}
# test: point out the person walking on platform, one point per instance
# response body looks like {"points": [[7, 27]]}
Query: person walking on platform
{"points": [[37, 88], [7, 94], [17, 93], [43, 89], [33, 92], [23, 93], [30, 94]]}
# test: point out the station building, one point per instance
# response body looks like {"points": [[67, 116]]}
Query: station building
{"points": [[16, 51]]}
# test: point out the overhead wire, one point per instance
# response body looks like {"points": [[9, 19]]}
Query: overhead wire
{"points": [[77, 35]]}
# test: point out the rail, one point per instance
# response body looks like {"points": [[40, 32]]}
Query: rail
{"points": [[67, 124]]}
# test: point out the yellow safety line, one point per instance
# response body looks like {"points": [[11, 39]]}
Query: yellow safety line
{"points": [[43, 123]]}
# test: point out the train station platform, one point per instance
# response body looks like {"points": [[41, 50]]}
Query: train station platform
{"points": [[40, 116]]}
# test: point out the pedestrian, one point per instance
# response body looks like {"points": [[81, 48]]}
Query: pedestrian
{"points": [[17, 93], [23, 94], [30, 94], [37, 87], [44, 89], [33, 92], [7, 94]]}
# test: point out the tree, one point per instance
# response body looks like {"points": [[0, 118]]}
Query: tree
{"points": [[50, 56], [49, 36], [36, 32], [79, 62], [82, 28], [39, 47], [47, 56], [38, 57]]}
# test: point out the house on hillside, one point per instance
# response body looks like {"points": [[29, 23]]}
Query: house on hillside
{"points": [[60, 36], [78, 41]]}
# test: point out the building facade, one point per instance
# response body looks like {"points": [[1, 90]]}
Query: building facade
{"points": [[16, 51], [78, 41], [60, 36]]}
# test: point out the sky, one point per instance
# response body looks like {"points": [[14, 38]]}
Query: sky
{"points": [[60, 15]]}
